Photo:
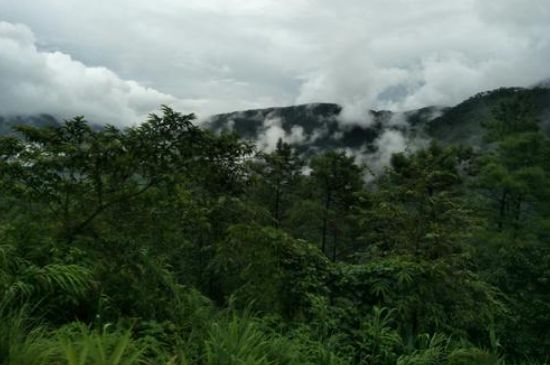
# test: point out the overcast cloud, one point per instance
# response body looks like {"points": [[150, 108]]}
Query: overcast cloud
{"points": [[117, 60]]}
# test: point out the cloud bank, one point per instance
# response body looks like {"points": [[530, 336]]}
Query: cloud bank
{"points": [[221, 55], [34, 81], [272, 131], [430, 53]]}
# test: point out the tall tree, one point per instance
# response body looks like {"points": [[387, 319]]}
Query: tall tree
{"points": [[416, 230], [279, 173], [512, 175], [337, 178], [417, 208]]}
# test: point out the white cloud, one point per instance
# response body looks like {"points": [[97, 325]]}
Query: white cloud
{"points": [[224, 55], [388, 143], [407, 59], [35, 81], [273, 132]]}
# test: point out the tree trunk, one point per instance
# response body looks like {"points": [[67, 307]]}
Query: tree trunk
{"points": [[276, 214], [334, 242], [502, 210], [325, 222]]}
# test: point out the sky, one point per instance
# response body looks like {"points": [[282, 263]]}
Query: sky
{"points": [[115, 61]]}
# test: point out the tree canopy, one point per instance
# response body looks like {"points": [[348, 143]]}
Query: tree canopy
{"points": [[167, 243]]}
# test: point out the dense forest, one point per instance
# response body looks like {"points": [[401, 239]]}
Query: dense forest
{"points": [[167, 243]]}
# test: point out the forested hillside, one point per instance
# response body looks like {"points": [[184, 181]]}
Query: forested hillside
{"points": [[7, 123], [167, 243], [314, 127]]}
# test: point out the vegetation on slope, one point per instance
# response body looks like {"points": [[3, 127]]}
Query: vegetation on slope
{"points": [[169, 244]]}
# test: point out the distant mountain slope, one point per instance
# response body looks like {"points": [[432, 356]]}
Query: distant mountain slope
{"points": [[463, 122], [8, 122], [309, 127], [373, 136], [313, 127]]}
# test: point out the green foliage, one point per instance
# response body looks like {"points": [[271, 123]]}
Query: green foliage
{"points": [[426, 296], [177, 235], [264, 260], [21, 341], [337, 179], [377, 340], [438, 349], [513, 250], [418, 209], [100, 348], [277, 176], [236, 341], [22, 281]]}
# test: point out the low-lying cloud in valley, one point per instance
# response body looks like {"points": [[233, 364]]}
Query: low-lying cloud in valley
{"points": [[272, 131]]}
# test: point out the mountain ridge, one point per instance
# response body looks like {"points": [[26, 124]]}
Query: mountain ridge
{"points": [[374, 135], [461, 123]]}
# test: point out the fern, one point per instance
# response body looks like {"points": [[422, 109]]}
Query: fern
{"points": [[21, 280], [100, 348], [22, 342], [236, 341]]}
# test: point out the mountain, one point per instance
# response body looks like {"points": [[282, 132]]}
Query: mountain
{"points": [[373, 136], [8, 122], [463, 123], [309, 127], [313, 127], [543, 84]]}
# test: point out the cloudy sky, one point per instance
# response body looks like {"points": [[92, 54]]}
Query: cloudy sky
{"points": [[116, 60]]}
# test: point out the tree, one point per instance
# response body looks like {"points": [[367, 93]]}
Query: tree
{"points": [[337, 179], [416, 230], [512, 175], [512, 116], [513, 249], [417, 208], [286, 271], [278, 173]]}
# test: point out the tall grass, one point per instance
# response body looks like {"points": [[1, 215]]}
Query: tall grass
{"points": [[21, 341], [100, 348]]}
